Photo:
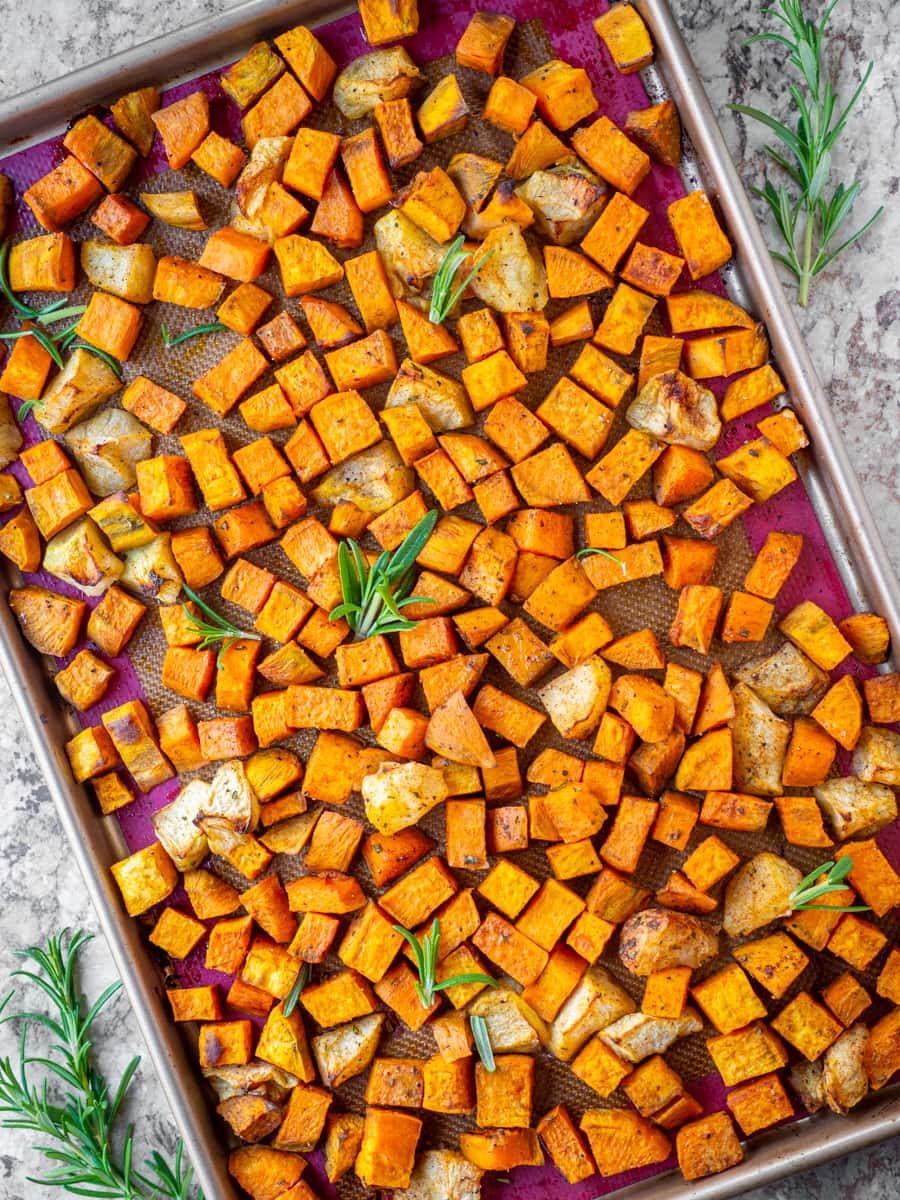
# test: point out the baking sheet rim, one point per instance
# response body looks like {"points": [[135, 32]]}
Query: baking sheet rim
{"points": [[836, 496]]}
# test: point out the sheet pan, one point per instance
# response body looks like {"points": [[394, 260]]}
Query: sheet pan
{"points": [[835, 493]]}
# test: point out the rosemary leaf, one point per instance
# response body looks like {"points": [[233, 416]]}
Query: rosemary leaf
{"points": [[588, 551], [169, 340], [483, 1042], [303, 977], [113, 363]]}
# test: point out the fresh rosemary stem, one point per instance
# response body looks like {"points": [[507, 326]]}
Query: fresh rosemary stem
{"points": [[77, 1131], [807, 218]]}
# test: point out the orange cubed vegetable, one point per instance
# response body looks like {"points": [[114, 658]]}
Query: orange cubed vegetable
{"points": [[700, 238], [61, 195]]}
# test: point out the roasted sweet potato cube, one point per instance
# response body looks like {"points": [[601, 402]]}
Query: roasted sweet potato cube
{"points": [[653, 270], [84, 681], [395, 1081], [808, 1026], [182, 126], [775, 961], [801, 817], [145, 878], [759, 1104], [565, 1145], [728, 999], [840, 712], [443, 112], [395, 124], [483, 42], [621, 1140], [657, 130], [847, 998], [625, 841], [504, 1096], [882, 695], [57, 503], [717, 508], [509, 105], [371, 943], [507, 828], [229, 941], [564, 93], [612, 155], [872, 875], [708, 1146], [304, 1117], [226, 1043], [219, 158], [177, 935], [510, 950], [279, 111], [700, 238], [114, 620], [387, 1152], [623, 32], [243, 309], [869, 636], [62, 194], [308, 59], [152, 404], [314, 937], [857, 941], [816, 634]]}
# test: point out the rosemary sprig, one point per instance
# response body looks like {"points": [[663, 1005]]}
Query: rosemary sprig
{"points": [[374, 597], [425, 953], [807, 218], [443, 295], [169, 340], [303, 977], [215, 631], [483, 1042], [113, 363], [78, 1129], [813, 887]]}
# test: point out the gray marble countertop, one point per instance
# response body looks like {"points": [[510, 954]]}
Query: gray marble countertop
{"points": [[852, 329]]}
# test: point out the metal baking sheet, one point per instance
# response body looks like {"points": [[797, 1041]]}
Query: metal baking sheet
{"points": [[841, 512]]}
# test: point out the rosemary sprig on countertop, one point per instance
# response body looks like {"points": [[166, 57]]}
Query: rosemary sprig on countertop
{"points": [[443, 294], [482, 1039], [807, 218], [78, 1128], [169, 340], [215, 631], [374, 597], [426, 956], [810, 889]]}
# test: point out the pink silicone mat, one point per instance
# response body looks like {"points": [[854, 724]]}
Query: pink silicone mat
{"points": [[568, 27]]}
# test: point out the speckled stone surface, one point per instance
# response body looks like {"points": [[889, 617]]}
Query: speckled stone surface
{"points": [[852, 328]]}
